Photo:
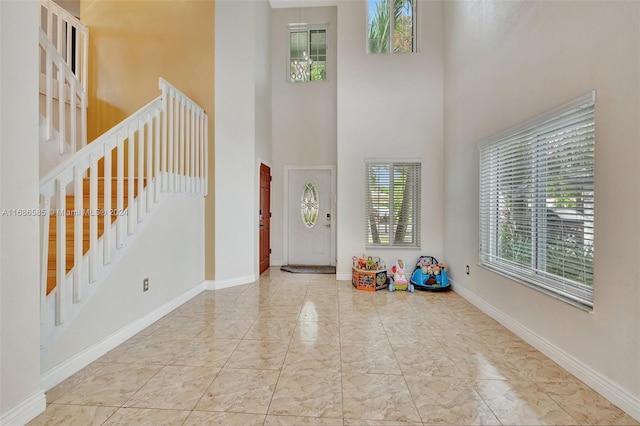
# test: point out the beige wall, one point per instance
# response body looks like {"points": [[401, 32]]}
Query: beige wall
{"points": [[504, 63], [388, 107], [21, 397], [71, 6], [131, 44], [304, 115], [166, 252], [243, 134]]}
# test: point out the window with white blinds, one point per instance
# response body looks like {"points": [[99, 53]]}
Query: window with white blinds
{"points": [[537, 202], [393, 204]]}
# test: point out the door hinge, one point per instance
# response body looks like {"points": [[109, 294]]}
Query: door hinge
{"points": [[270, 178], [270, 214], [269, 251]]}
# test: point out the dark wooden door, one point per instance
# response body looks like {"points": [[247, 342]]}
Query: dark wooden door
{"points": [[265, 217]]}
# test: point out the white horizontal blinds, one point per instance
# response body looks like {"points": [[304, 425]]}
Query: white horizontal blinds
{"points": [[377, 195], [393, 204], [537, 201]]}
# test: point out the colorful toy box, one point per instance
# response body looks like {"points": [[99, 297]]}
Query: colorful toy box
{"points": [[363, 279]]}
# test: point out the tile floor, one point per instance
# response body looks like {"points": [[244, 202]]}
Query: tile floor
{"points": [[296, 349]]}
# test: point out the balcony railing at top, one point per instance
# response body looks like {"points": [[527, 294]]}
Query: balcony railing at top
{"points": [[61, 83], [69, 36]]}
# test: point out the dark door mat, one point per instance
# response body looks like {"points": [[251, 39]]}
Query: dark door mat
{"points": [[309, 269]]}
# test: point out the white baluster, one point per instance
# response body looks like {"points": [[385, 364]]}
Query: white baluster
{"points": [[192, 151], [49, 24], [68, 33], [61, 107], [83, 118], [171, 141], [77, 233], [149, 169], [130, 179], [183, 143], [119, 192], [49, 94], [61, 254], [93, 220], [140, 174], [187, 147], [85, 62], [76, 67], [197, 150], [59, 33], [106, 235], [178, 142], [164, 149], [74, 114], [206, 156], [156, 152]]}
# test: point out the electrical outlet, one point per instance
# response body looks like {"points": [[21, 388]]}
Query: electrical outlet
{"points": [[145, 284], [467, 269]]}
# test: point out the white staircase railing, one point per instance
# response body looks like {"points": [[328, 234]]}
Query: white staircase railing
{"points": [[68, 35], [162, 148], [60, 80]]}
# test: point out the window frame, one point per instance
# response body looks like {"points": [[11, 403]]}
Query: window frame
{"points": [[308, 28], [415, 30], [540, 131], [416, 198]]}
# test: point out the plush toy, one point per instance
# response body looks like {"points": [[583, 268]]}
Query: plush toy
{"points": [[436, 269], [424, 262]]}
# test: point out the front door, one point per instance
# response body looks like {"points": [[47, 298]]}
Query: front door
{"points": [[309, 217], [265, 217]]}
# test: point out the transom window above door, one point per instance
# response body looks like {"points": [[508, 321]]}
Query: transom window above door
{"points": [[307, 53]]}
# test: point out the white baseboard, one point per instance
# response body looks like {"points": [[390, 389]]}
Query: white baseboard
{"points": [[26, 411], [343, 277], [76, 363], [601, 384], [276, 262], [220, 284]]}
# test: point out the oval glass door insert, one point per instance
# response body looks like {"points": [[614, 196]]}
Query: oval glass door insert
{"points": [[309, 205]]}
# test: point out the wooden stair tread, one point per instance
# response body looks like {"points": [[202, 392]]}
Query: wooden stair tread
{"points": [[86, 224]]}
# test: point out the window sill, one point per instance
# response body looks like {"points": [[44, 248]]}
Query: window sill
{"points": [[385, 247], [537, 287]]}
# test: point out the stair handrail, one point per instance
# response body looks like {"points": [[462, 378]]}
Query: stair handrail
{"points": [[166, 148], [95, 149], [65, 79], [63, 38]]}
